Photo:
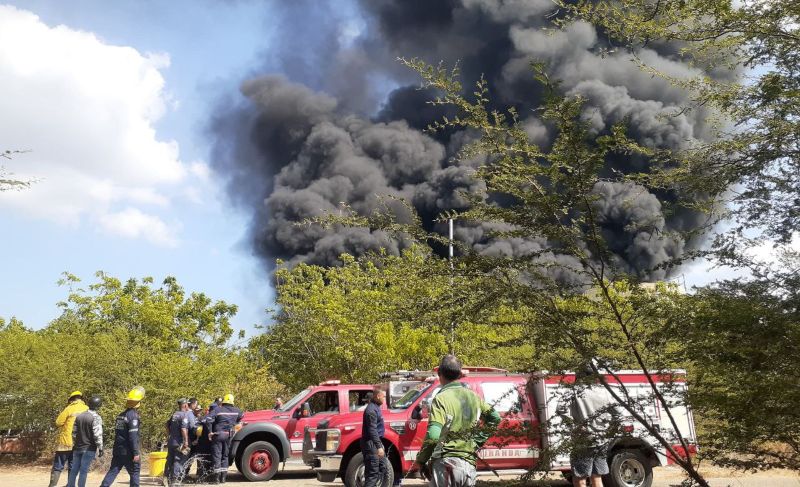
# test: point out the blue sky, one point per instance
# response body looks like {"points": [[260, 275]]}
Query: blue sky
{"points": [[179, 224]]}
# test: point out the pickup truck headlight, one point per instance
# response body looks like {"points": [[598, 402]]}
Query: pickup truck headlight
{"points": [[332, 440]]}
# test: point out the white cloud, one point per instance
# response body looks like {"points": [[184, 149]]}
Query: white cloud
{"points": [[200, 170], [132, 223], [86, 110]]}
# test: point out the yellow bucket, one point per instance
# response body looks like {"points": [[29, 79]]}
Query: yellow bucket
{"points": [[158, 460]]}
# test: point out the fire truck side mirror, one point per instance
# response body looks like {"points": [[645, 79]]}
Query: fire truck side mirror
{"points": [[303, 411], [417, 413]]}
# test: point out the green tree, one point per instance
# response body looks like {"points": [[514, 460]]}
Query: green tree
{"points": [[113, 336], [380, 313], [165, 317], [735, 333], [741, 339]]}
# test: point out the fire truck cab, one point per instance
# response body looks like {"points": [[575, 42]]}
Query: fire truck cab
{"points": [[270, 437]]}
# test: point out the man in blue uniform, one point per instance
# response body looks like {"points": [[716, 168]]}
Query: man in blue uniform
{"points": [[126, 451], [372, 431], [178, 426], [223, 421]]}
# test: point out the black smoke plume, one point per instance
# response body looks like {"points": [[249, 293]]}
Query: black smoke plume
{"points": [[321, 133]]}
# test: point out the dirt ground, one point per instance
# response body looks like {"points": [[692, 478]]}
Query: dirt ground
{"points": [[300, 476]]}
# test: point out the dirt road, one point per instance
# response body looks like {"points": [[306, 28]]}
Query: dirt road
{"points": [[296, 476]]}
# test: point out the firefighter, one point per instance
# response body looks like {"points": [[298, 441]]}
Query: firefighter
{"points": [[204, 443], [453, 437], [65, 421], [222, 421], [178, 427], [372, 431], [126, 453]]}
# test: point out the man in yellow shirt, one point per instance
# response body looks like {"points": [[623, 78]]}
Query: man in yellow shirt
{"points": [[64, 422]]}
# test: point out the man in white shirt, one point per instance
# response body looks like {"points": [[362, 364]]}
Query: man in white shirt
{"points": [[593, 414]]}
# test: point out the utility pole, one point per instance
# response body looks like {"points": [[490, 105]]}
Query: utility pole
{"points": [[450, 258]]}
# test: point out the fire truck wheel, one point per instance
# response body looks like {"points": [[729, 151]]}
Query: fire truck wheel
{"points": [[260, 461], [629, 468], [354, 476]]}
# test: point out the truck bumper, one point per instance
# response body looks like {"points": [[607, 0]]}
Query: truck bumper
{"points": [[327, 467]]}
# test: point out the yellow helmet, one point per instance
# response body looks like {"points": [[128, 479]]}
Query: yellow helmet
{"points": [[136, 394], [75, 393], [228, 399]]}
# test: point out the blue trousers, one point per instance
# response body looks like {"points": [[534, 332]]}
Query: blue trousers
{"points": [[62, 459], [374, 469], [220, 447], [118, 462], [175, 463], [81, 461]]}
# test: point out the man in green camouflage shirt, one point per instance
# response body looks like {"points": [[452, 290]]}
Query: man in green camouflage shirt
{"points": [[454, 433]]}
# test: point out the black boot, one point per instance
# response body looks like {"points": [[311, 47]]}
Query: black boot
{"points": [[54, 478], [223, 477]]}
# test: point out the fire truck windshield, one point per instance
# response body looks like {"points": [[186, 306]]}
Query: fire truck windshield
{"points": [[293, 401], [409, 397]]}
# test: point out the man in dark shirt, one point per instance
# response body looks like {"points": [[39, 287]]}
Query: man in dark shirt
{"points": [[372, 431], [87, 441], [178, 427]]}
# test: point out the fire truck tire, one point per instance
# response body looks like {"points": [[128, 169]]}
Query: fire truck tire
{"points": [[629, 468], [260, 461], [354, 475]]}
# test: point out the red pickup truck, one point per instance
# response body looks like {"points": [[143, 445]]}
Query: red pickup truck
{"points": [[526, 403], [270, 437]]}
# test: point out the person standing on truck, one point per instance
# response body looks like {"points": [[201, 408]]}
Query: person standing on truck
{"points": [[454, 435], [87, 441], [223, 422], [278, 403], [64, 421], [178, 427], [593, 415], [126, 452], [372, 431]]}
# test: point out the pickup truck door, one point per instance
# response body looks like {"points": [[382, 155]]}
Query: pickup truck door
{"points": [[321, 405], [511, 448], [416, 428]]}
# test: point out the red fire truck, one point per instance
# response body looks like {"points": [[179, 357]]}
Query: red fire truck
{"points": [[526, 403]]}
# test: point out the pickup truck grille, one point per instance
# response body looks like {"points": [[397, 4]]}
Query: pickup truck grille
{"points": [[320, 440]]}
